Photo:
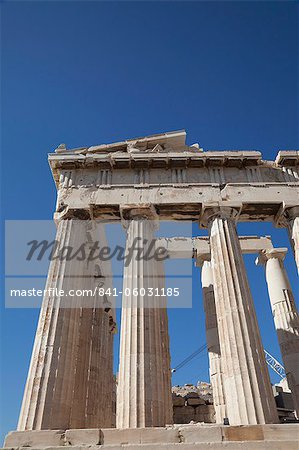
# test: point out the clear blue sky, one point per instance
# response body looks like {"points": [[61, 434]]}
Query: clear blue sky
{"points": [[86, 73]]}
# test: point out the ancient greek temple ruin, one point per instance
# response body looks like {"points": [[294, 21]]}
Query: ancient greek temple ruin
{"points": [[140, 183]]}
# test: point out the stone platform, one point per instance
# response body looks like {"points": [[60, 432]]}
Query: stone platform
{"points": [[177, 437]]}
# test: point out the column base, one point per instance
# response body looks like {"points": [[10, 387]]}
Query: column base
{"points": [[181, 437]]}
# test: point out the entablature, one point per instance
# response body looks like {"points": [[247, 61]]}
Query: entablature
{"points": [[174, 176], [256, 202], [179, 180], [151, 161], [166, 159]]}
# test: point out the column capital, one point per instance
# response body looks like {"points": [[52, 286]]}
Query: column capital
{"points": [[202, 258], [209, 212], [139, 212], [292, 213], [285, 215], [274, 253], [65, 213], [145, 211]]}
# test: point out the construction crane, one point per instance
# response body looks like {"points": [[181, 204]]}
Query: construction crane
{"points": [[189, 358], [270, 360], [275, 365]]}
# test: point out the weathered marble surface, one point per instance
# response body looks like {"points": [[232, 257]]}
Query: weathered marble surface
{"points": [[70, 378], [203, 437], [177, 182], [246, 383], [144, 389]]}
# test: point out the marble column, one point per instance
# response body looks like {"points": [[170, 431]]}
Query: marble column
{"points": [[292, 218], [285, 316], [165, 347], [141, 384], [247, 389], [70, 373], [213, 340]]}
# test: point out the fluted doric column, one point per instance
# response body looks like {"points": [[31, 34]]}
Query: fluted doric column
{"points": [[165, 345], [142, 386], [213, 341], [70, 374], [285, 316], [247, 389], [292, 218]]}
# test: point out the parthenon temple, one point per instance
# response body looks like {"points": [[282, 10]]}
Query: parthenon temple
{"points": [[140, 183]]}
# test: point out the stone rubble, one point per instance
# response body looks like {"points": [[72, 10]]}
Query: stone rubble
{"points": [[193, 404]]}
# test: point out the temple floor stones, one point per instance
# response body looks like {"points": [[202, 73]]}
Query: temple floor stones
{"points": [[193, 436]]}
